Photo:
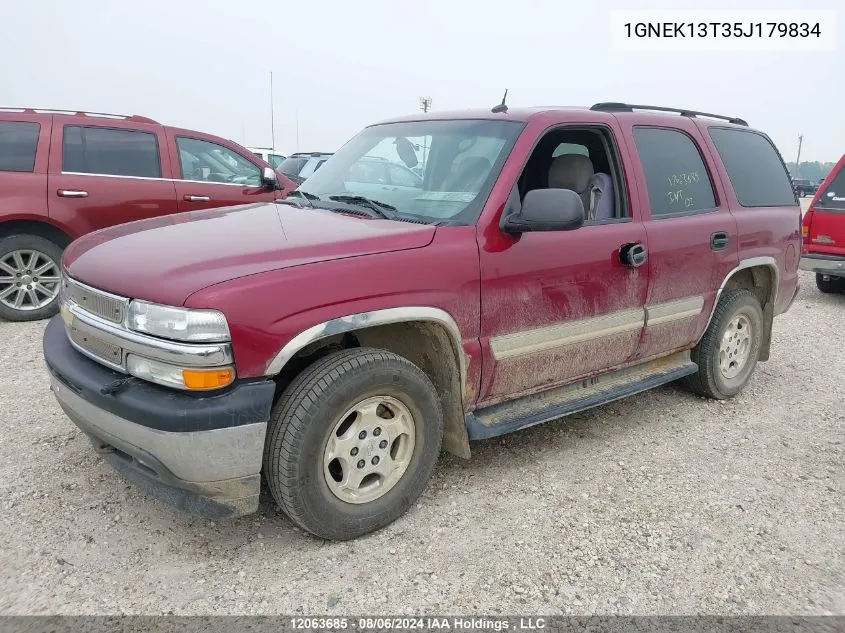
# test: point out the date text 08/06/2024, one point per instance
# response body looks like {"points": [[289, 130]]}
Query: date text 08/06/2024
{"points": [[424, 623]]}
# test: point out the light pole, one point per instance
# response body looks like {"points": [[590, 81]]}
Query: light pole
{"points": [[798, 160], [425, 104]]}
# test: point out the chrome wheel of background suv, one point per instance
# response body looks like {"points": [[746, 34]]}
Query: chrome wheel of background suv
{"points": [[29, 277]]}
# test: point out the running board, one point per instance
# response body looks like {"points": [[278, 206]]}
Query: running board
{"points": [[574, 397]]}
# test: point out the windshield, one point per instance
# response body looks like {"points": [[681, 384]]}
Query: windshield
{"points": [[430, 170], [292, 165]]}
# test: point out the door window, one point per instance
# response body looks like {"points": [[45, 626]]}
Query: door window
{"points": [[209, 162], [18, 140], [676, 178], [110, 151]]}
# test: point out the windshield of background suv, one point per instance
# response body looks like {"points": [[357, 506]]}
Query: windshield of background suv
{"points": [[456, 161], [292, 165]]}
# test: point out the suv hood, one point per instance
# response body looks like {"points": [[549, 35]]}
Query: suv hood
{"points": [[167, 259]]}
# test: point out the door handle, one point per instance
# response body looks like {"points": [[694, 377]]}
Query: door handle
{"points": [[719, 241], [187, 198], [72, 193], [633, 255]]}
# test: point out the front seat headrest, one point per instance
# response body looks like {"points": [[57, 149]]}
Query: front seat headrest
{"points": [[571, 171]]}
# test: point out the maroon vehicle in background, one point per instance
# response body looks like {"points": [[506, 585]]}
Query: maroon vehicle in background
{"points": [[823, 231], [549, 260], [64, 174]]}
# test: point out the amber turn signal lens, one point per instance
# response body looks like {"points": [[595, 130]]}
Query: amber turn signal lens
{"points": [[804, 231], [207, 378]]}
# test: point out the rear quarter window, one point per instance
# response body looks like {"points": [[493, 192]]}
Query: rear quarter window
{"points": [[757, 172], [18, 140], [833, 191]]}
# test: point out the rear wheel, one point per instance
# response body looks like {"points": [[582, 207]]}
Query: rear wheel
{"points": [[352, 442], [728, 351], [830, 284], [29, 277]]}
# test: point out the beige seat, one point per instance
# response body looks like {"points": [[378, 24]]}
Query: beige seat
{"points": [[575, 172]]}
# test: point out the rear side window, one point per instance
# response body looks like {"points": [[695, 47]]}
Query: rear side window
{"points": [[18, 140], [833, 191], [110, 151], [757, 173], [676, 178]]}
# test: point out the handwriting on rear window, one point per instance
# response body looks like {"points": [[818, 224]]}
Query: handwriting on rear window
{"points": [[683, 178]]}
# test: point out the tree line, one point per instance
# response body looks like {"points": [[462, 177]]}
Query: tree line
{"points": [[811, 170]]}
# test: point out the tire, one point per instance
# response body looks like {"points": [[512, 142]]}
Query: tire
{"points": [[307, 483], [723, 380], [829, 284], [15, 251]]}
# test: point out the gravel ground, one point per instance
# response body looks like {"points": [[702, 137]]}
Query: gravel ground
{"points": [[661, 503]]}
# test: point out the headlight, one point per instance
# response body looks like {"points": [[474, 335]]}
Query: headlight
{"points": [[178, 324], [192, 378]]}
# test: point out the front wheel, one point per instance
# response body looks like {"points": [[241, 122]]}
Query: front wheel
{"points": [[29, 277], [352, 442], [829, 284], [728, 351]]}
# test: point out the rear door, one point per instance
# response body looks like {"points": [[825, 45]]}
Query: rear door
{"points": [[107, 174], [825, 220], [691, 232], [24, 149], [212, 174]]}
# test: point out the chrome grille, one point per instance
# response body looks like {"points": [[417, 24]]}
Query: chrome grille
{"points": [[93, 345], [99, 303]]}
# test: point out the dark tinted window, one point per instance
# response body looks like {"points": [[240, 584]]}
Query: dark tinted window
{"points": [[676, 178], [833, 191], [17, 145], [757, 172], [292, 165], [111, 151]]}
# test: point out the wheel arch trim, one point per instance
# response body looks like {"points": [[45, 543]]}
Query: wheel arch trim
{"points": [[362, 320], [752, 262]]}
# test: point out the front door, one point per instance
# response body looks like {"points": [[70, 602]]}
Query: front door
{"points": [[212, 175], [560, 305]]}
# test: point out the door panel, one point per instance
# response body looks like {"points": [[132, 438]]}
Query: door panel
{"points": [[101, 176], [210, 174], [559, 305], [692, 235]]}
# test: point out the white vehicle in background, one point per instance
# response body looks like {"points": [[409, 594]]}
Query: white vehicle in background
{"points": [[269, 155]]}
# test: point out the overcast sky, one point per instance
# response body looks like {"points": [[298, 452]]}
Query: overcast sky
{"points": [[339, 64]]}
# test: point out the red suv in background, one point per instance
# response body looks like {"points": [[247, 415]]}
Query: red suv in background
{"points": [[823, 231], [64, 174]]}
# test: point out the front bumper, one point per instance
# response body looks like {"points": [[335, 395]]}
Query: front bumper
{"points": [[201, 453], [823, 264]]}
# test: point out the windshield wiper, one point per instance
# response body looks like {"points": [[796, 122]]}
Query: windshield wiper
{"points": [[304, 196], [383, 209]]}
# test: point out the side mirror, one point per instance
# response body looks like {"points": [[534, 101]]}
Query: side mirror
{"points": [[406, 152], [547, 210], [269, 179]]}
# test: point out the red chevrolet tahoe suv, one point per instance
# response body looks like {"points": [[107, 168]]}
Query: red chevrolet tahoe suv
{"points": [[549, 261], [64, 174], [824, 233]]}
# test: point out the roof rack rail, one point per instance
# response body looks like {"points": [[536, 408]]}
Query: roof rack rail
{"points": [[627, 107], [137, 118]]}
